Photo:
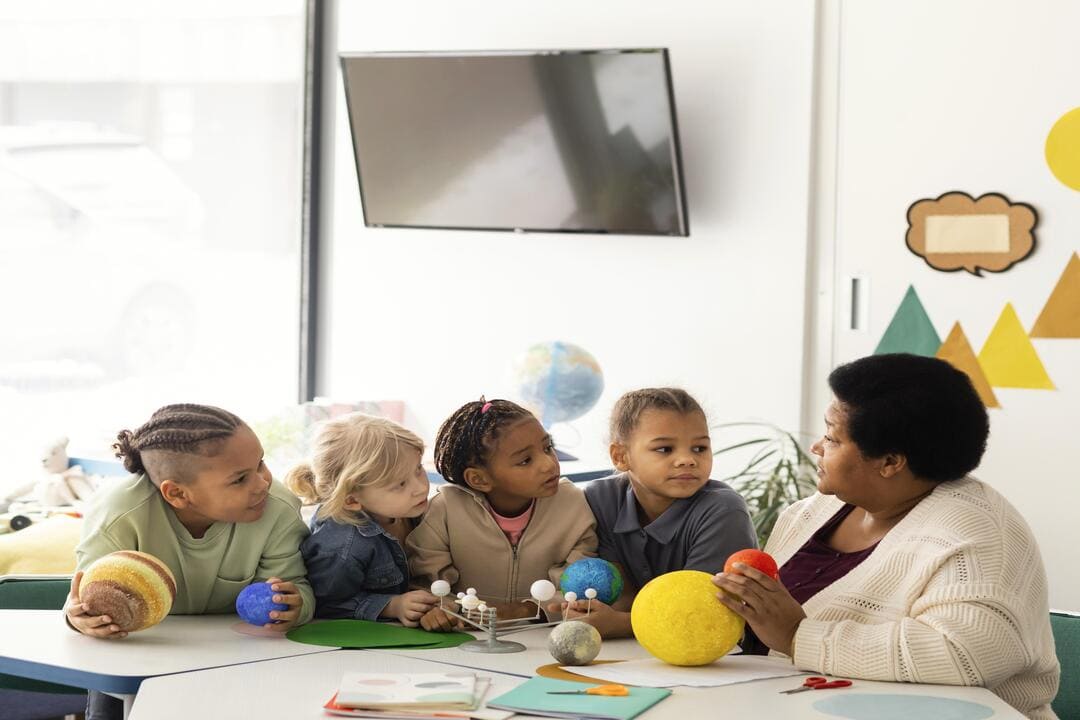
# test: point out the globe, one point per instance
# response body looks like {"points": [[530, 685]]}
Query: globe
{"points": [[558, 380]]}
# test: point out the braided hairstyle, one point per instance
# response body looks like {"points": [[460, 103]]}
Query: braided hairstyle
{"points": [[172, 435], [466, 437]]}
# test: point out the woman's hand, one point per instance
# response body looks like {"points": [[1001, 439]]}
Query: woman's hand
{"points": [[408, 608], [287, 594], [75, 611], [764, 603]]}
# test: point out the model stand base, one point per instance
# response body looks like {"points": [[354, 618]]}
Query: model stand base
{"points": [[487, 646]]}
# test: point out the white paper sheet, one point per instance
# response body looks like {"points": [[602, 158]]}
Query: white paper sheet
{"points": [[651, 672]]}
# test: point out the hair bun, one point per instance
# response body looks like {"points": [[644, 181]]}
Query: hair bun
{"points": [[126, 451]]}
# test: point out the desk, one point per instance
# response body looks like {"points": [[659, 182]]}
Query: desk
{"points": [[759, 699], [197, 667], [292, 688], [296, 688], [38, 644]]}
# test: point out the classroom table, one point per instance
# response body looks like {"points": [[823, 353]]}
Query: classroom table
{"points": [[297, 687], [753, 699], [197, 666], [292, 688], [38, 644]]}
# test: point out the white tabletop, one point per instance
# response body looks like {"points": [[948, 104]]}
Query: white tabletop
{"points": [[39, 644], [760, 699], [520, 663], [293, 688], [298, 687]]}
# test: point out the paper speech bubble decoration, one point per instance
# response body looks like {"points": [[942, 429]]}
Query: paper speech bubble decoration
{"points": [[957, 232]]}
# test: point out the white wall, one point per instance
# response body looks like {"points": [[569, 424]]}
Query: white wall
{"points": [[960, 95], [437, 317]]}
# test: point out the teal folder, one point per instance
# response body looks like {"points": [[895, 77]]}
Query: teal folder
{"points": [[532, 698]]}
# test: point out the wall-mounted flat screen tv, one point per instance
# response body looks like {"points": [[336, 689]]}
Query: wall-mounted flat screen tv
{"points": [[547, 141]]}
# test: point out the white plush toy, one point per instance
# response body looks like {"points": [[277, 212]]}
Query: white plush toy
{"points": [[60, 484], [63, 485]]}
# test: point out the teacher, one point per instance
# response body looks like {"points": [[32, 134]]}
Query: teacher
{"points": [[902, 567]]}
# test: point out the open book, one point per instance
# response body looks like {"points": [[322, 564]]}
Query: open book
{"points": [[408, 691]]}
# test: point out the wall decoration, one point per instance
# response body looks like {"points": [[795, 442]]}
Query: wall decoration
{"points": [[957, 232], [1009, 359], [1063, 149], [1060, 317], [956, 350], [910, 330]]}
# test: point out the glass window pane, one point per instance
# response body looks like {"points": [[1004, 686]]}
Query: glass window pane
{"points": [[150, 196]]}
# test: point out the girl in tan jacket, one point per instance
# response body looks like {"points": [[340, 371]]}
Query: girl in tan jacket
{"points": [[505, 519]]}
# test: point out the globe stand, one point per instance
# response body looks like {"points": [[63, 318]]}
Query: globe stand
{"points": [[488, 622]]}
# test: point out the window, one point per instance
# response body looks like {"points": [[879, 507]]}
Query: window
{"points": [[150, 210]]}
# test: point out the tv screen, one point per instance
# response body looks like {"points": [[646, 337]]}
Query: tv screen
{"points": [[547, 141]]}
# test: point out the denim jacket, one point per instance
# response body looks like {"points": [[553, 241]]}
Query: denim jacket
{"points": [[354, 570]]}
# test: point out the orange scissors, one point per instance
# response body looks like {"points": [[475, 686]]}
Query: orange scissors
{"points": [[605, 690], [817, 683]]}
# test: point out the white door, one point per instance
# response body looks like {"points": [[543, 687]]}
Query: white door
{"points": [[933, 97]]}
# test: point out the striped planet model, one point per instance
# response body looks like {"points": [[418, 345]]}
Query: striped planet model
{"points": [[133, 588]]}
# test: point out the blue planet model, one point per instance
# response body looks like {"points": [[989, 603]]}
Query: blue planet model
{"points": [[255, 603], [594, 573]]}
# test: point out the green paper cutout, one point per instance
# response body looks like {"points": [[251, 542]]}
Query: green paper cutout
{"points": [[368, 634], [910, 330]]}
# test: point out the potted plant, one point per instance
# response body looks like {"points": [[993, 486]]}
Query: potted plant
{"points": [[779, 471]]}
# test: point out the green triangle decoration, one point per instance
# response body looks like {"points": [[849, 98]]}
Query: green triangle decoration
{"points": [[910, 330]]}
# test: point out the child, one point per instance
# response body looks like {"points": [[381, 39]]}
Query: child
{"points": [[201, 500], [366, 474], [506, 519], [661, 512]]}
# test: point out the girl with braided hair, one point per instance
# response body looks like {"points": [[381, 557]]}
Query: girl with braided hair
{"points": [[505, 519], [200, 499]]}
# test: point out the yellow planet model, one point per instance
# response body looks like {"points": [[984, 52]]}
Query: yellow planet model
{"points": [[677, 618]]}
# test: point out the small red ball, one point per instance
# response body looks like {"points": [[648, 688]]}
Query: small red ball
{"points": [[756, 559]]}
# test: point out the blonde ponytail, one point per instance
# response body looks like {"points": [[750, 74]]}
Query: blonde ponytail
{"points": [[301, 480]]}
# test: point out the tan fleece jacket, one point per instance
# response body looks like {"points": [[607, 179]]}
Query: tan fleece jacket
{"points": [[460, 542]]}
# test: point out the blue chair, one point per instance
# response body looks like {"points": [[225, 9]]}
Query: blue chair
{"points": [[23, 698], [1066, 627]]}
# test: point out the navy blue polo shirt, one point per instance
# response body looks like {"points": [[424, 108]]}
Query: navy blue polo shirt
{"points": [[696, 533]]}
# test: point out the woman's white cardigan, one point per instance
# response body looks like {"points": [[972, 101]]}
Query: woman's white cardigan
{"points": [[955, 594]]}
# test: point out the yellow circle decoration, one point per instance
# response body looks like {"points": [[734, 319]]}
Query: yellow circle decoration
{"points": [[1063, 149], [678, 619]]}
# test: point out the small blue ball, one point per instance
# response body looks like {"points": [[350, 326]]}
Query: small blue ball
{"points": [[255, 602], [594, 573]]}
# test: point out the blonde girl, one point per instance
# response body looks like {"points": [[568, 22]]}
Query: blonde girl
{"points": [[366, 475]]}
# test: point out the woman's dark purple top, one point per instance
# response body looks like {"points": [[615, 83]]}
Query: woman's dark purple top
{"points": [[816, 565], [813, 568]]}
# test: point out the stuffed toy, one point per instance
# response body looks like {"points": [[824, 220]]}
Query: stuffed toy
{"points": [[59, 485], [62, 485]]}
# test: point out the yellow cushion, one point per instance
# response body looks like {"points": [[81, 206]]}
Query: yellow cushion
{"points": [[46, 547]]}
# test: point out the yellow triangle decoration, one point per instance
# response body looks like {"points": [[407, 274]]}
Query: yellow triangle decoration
{"points": [[1008, 357], [1060, 317], [956, 350]]}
